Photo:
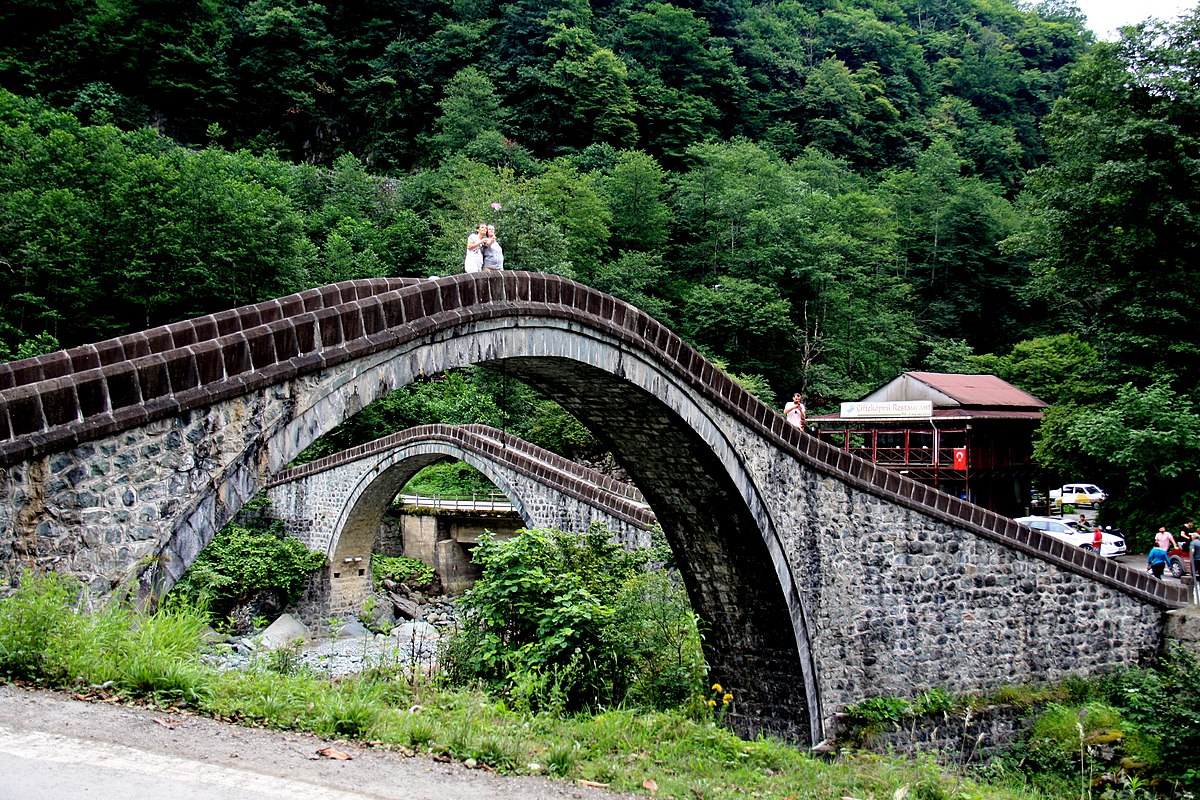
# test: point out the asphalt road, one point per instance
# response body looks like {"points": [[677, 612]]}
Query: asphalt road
{"points": [[1133, 560], [55, 748]]}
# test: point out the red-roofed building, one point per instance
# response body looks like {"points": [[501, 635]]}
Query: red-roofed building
{"points": [[968, 435]]}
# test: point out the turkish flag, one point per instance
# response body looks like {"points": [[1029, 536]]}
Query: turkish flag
{"points": [[960, 458]]}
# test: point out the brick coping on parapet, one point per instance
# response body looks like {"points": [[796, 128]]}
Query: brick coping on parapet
{"points": [[189, 332], [40, 416], [473, 432]]}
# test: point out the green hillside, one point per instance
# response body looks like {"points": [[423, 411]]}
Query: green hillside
{"points": [[819, 194]]}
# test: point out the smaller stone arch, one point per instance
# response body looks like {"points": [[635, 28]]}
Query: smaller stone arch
{"points": [[337, 504]]}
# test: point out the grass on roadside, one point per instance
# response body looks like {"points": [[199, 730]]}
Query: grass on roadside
{"points": [[47, 639]]}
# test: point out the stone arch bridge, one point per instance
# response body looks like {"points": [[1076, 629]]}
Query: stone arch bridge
{"points": [[823, 579], [336, 504]]}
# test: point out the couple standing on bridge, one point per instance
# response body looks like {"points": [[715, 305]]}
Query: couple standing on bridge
{"points": [[483, 250]]}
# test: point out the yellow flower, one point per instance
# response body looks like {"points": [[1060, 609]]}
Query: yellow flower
{"points": [[717, 687], [727, 698], [712, 703]]}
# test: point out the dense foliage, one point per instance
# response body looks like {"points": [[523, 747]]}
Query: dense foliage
{"points": [[821, 195], [1161, 702], [1129, 728], [243, 559], [564, 621], [400, 84]]}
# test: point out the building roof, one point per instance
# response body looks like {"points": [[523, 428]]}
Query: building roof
{"points": [[963, 390], [951, 396]]}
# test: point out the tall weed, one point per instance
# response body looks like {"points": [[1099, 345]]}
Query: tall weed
{"points": [[29, 618]]}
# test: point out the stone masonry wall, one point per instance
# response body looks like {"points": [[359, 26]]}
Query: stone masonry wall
{"points": [[900, 602], [103, 510], [315, 502]]}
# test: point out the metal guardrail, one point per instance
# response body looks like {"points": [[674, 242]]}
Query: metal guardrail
{"points": [[493, 501]]}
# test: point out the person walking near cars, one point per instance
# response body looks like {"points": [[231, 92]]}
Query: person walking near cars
{"points": [[1164, 539], [1157, 561], [1195, 549]]}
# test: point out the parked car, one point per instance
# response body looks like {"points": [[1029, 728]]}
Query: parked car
{"points": [[1071, 532], [1179, 562], [1079, 494]]}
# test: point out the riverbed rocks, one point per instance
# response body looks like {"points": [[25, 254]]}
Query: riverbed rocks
{"points": [[346, 647]]}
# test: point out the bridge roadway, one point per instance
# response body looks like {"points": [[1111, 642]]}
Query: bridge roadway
{"points": [[823, 579]]}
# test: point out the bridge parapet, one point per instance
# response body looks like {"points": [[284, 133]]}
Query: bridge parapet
{"points": [[188, 332]]}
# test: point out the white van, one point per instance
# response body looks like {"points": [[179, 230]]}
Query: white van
{"points": [[1078, 494]]}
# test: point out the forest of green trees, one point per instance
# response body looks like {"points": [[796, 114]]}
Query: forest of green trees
{"points": [[820, 194]]}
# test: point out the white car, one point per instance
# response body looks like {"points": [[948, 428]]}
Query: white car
{"points": [[1071, 533], [1079, 494]]}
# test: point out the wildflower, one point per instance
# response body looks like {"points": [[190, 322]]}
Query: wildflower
{"points": [[726, 699], [717, 687], [712, 703]]}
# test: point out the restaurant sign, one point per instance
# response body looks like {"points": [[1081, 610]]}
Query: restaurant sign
{"points": [[906, 409]]}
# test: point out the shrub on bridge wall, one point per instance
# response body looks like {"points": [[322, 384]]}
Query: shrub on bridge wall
{"points": [[563, 621], [243, 560]]}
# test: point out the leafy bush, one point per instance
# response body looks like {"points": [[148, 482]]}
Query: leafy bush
{"points": [[1162, 702], [659, 637], [241, 559], [401, 569], [564, 621]]}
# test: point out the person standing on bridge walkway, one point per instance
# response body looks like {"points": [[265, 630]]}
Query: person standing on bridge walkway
{"points": [[795, 411], [493, 255], [474, 260]]}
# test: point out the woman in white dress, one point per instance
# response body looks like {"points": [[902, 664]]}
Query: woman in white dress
{"points": [[474, 259]]}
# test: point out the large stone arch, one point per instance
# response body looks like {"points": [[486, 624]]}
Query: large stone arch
{"points": [[708, 503]]}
